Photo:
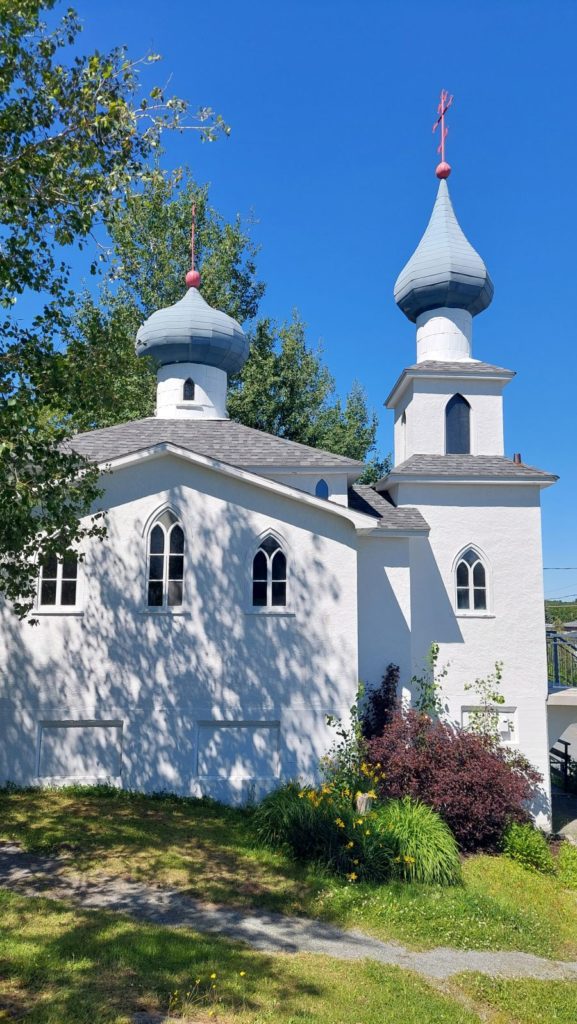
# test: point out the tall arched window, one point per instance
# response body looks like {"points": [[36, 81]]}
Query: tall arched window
{"points": [[188, 390], [471, 582], [458, 426], [322, 489], [165, 562], [269, 575]]}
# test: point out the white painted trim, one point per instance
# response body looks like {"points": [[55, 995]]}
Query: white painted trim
{"points": [[394, 479], [407, 376], [357, 519]]}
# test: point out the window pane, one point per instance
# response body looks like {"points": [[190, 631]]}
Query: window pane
{"points": [[279, 566], [156, 569], [50, 567], [470, 557], [279, 593], [480, 599], [479, 575], [322, 489], [188, 390], [259, 566], [174, 593], [48, 592], [269, 545], [68, 592], [155, 595], [175, 567], [157, 540], [176, 540], [70, 566], [457, 426], [462, 575], [259, 594], [462, 597]]}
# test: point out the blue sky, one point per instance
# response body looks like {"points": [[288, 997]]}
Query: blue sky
{"points": [[331, 106]]}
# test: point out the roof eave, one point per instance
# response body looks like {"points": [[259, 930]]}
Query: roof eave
{"points": [[394, 479]]}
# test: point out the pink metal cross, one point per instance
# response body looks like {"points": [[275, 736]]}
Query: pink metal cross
{"points": [[443, 169]]}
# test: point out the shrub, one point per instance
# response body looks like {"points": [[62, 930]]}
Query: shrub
{"points": [[476, 787], [527, 845], [381, 704], [426, 848], [322, 825], [567, 865]]}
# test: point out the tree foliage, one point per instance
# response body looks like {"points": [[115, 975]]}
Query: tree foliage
{"points": [[76, 133]]}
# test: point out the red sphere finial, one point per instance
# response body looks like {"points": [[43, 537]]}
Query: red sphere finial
{"points": [[443, 169], [193, 279]]}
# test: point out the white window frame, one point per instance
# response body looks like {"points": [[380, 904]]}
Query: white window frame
{"points": [[164, 608], [58, 608], [472, 612], [269, 609]]}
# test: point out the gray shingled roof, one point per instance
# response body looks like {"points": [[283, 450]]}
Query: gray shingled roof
{"points": [[444, 270], [475, 366], [224, 440], [363, 498], [436, 367], [467, 467]]}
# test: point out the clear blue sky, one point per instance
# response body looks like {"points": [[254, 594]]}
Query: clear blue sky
{"points": [[331, 105]]}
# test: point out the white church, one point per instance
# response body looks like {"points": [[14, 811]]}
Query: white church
{"points": [[247, 583]]}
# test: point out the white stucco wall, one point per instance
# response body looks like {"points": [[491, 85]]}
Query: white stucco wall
{"points": [[504, 523], [423, 404], [215, 698], [384, 587]]}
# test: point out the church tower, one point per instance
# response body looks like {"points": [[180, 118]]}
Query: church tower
{"points": [[477, 579], [195, 347], [448, 402]]}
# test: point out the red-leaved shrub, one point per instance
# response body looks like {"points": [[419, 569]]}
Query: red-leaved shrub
{"points": [[476, 787]]}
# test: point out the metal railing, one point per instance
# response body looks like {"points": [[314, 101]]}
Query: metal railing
{"points": [[561, 659]]}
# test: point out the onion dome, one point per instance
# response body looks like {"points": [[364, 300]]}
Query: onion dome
{"points": [[444, 270], [191, 331]]}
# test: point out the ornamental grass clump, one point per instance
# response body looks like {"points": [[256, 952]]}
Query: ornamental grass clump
{"points": [[322, 825], [528, 846], [426, 848]]}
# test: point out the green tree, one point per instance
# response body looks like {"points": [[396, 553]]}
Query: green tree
{"points": [[76, 133]]}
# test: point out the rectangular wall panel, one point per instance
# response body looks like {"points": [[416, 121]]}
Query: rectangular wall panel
{"points": [[80, 749]]}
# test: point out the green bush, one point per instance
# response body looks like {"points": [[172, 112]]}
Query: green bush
{"points": [[567, 865], [426, 849], [528, 846], [322, 825]]}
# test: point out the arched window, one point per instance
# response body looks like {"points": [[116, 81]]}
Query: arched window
{"points": [[269, 575], [458, 426], [322, 489], [165, 562], [471, 582], [188, 390]]}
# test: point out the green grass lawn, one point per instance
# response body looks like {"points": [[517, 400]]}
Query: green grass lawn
{"points": [[209, 851], [62, 965]]}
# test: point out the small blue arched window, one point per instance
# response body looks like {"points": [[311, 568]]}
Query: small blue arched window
{"points": [[458, 426], [322, 489], [188, 390]]}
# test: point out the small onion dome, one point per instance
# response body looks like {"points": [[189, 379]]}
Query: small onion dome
{"points": [[444, 270], [191, 331]]}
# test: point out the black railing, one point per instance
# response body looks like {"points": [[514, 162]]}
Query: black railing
{"points": [[560, 762], [561, 659]]}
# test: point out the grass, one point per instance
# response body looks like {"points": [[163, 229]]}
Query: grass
{"points": [[63, 966], [210, 851], [528, 1002]]}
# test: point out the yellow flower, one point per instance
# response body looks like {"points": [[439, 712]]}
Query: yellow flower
{"points": [[356, 861], [352, 876], [197, 982], [213, 975], [409, 860], [359, 821], [350, 845], [242, 973], [367, 831], [372, 794], [302, 794], [339, 823]]}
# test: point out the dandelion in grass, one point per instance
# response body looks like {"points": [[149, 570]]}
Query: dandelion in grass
{"points": [[339, 823], [213, 976], [242, 973], [352, 876]]}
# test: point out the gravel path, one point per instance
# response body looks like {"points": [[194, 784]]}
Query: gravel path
{"points": [[33, 875]]}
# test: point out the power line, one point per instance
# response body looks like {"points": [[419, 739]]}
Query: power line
{"points": [[558, 568]]}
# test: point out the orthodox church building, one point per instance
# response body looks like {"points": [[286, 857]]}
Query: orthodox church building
{"points": [[247, 583]]}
